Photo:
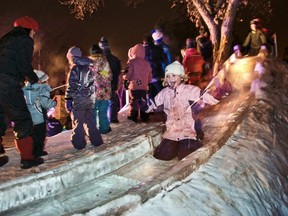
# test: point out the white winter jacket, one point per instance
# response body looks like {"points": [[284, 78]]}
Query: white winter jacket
{"points": [[180, 123]]}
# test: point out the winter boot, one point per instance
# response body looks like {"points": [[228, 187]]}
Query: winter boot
{"points": [[42, 153], [133, 115], [26, 164], [25, 149], [3, 160], [2, 150], [144, 116]]}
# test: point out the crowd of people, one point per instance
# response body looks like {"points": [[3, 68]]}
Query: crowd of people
{"points": [[154, 78]]}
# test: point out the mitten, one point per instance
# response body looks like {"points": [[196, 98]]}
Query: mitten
{"points": [[143, 104], [69, 105], [209, 99], [147, 105]]}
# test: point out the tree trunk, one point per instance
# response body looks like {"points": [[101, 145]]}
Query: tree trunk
{"points": [[221, 34]]}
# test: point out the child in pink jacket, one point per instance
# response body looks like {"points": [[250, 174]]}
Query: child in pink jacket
{"points": [[139, 74], [179, 139]]}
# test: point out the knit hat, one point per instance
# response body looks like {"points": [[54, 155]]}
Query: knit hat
{"points": [[175, 68], [104, 44], [27, 22], [74, 52], [236, 47], [95, 49], [43, 77], [157, 35]]}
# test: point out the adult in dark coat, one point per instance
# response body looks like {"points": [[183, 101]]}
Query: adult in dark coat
{"points": [[115, 66], [205, 48], [16, 52], [155, 56]]}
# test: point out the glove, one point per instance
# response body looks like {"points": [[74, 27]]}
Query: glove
{"points": [[209, 99], [147, 105], [143, 104], [69, 105]]}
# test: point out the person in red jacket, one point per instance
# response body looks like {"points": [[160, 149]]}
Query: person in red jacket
{"points": [[16, 52], [193, 63]]}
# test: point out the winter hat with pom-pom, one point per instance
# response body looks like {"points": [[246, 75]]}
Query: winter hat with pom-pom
{"points": [[42, 76], [175, 68], [74, 52]]}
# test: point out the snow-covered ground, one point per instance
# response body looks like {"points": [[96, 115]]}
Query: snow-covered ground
{"points": [[248, 175]]}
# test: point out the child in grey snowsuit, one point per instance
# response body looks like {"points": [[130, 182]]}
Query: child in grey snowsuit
{"points": [[38, 101], [80, 100]]}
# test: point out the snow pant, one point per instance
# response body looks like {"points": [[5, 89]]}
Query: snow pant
{"points": [[39, 138], [169, 149], [134, 97], [13, 105], [114, 106], [3, 128], [3, 125], [101, 112], [84, 123], [3, 159], [2, 150], [154, 88]]}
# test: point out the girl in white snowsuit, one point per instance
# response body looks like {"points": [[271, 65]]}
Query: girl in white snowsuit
{"points": [[38, 101], [179, 139]]}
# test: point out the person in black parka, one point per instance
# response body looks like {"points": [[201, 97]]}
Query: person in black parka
{"points": [[16, 53]]}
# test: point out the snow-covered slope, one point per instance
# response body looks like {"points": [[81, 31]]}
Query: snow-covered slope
{"points": [[248, 175]]}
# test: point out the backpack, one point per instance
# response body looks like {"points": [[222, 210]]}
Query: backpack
{"points": [[85, 80]]}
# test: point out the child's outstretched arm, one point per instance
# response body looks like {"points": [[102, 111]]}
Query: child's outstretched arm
{"points": [[147, 105], [209, 99]]}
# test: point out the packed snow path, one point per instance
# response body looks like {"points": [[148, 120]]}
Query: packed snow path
{"points": [[122, 174]]}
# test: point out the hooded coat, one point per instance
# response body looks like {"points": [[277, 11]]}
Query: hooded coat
{"points": [[180, 123], [16, 51], [138, 70], [102, 76], [80, 86], [37, 96], [193, 64]]}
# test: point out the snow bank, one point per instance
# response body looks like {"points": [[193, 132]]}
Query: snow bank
{"points": [[248, 175]]}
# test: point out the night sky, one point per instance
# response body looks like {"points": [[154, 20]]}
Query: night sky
{"points": [[123, 26]]}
